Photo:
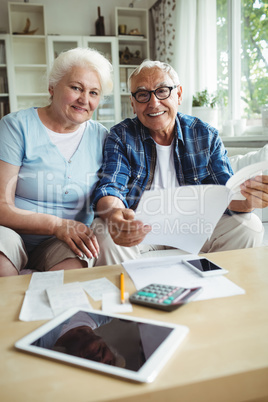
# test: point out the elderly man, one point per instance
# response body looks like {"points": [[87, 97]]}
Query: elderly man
{"points": [[161, 148]]}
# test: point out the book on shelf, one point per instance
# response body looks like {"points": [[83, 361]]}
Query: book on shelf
{"points": [[2, 53], [3, 84], [4, 108]]}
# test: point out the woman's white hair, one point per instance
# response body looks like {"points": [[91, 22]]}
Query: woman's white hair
{"points": [[83, 57], [155, 64]]}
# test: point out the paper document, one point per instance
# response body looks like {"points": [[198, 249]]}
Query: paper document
{"points": [[111, 303], [44, 280], [96, 288], [248, 172], [182, 217], [185, 217], [47, 296], [67, 296], [36, 305], [171, 271]]}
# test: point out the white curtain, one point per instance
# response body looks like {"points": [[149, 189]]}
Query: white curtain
{"points": [[193, 50]]}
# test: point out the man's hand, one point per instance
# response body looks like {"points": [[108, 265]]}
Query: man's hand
{"points": [[256, 192], [124, 229], [79, 237]]}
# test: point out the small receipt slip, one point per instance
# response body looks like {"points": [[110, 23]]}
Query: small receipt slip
{"points": [[164, 297], [66, 296]]}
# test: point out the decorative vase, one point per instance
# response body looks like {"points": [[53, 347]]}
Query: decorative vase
{"points": [[100, 29], [206, 114]]}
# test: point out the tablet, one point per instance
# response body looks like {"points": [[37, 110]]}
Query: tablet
{"points": [[125, 346]]}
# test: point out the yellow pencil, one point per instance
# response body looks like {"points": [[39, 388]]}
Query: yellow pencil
{"points": [[122, 287]]}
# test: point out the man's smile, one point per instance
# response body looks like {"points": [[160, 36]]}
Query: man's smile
{"points": [[156, 114]]}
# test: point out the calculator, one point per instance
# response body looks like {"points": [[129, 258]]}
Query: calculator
{"points": [[164, 297]]}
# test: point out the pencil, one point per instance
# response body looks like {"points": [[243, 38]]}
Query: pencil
{"points": [[122, 287]]}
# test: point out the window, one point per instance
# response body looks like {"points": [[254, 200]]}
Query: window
{"points": [[242, 46]]}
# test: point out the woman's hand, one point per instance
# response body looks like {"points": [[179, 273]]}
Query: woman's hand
{"points": [[79, 237]]}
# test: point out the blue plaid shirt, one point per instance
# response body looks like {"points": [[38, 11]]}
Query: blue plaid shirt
{"points": [[130, 158]]}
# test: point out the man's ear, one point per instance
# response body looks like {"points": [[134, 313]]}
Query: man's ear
{"points": [[179, 93], [132, 104]]}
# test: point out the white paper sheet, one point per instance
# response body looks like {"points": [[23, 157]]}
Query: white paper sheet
{"points": [[44, 280], [66, 296], [182, 217], [111, 302], [98, 287], [171, 271], [244, 174], [36, 304]]}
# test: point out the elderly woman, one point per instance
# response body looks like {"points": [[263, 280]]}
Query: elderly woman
{"points": [[49, 159]]}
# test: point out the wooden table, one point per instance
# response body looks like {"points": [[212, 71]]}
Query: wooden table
{"points": [[223, 359]]}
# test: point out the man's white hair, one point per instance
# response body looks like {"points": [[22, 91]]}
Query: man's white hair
{"points": [[150, 64]]}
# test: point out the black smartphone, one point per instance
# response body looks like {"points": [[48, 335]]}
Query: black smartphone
{"points": [[204, 267]]}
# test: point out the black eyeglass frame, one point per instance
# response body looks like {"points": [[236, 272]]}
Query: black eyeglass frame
{"points": [[154, 92]]}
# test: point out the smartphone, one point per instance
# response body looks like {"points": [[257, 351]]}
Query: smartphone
{"points": [[205, 267]]}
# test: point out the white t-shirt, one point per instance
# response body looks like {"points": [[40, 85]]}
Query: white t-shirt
{"points": [[165, 173], [67, 143]]}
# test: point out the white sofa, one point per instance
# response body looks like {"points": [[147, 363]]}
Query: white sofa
{"points": [[241, 157]]}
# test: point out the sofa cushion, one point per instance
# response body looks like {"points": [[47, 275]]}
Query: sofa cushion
{"points": [[239, 161]]}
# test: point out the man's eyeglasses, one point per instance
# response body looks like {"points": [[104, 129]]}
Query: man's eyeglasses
{"points": [[161, 93]]}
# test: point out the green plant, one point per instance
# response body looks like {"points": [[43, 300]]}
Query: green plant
{"points": [[203, 98]]}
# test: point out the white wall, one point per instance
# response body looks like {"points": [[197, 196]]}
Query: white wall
{"points": [[75, 17]]}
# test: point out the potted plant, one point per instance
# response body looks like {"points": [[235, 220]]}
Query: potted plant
{"points": [[204, 106]]}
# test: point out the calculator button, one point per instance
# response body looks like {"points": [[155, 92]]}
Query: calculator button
{"points": [[167, 301], [147, 294]]}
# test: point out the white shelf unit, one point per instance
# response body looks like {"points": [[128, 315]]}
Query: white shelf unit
{"points": [[109, 112], [61, 43], [4, 75], [133, 49], [28, 56]]}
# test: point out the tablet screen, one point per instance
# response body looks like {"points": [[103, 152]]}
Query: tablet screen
{"points": [[119, 344]]}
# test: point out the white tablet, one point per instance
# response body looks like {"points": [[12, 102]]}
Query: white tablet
{"points": [[124, 346]]}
